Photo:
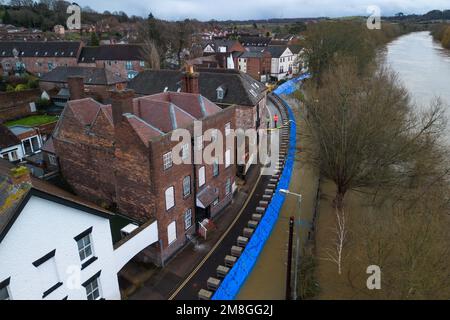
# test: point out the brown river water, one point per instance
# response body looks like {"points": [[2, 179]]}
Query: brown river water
{"points": [[423, 67]]}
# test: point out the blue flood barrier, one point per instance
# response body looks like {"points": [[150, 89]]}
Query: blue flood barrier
{"points": [[236, 277]]}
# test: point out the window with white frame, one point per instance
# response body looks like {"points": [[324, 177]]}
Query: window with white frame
{"points": [[185, 151], [93, 289], [199, 143], [228, 186], [188, 219], [201, 176], [216, 168], [85, 247], [227, 158], [186, 186], [170, 198], [167, 160], [227, 128], [172, 232]]}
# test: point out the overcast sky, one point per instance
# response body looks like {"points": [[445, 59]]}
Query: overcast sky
{"points": [[260, 9]]}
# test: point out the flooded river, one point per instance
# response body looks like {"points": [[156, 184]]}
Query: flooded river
{"points": [[423, 67]]}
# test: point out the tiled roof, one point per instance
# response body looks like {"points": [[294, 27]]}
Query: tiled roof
{"points": [[7, 138], [241, 88], [12, 196], [120, 52], [91, 75], [152, 115], [57, 49]]}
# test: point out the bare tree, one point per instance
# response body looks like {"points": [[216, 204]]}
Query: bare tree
{"points": [[151, 55], [366, 134]]}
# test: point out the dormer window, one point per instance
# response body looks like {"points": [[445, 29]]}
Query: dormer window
{"points": [[220, 93]]}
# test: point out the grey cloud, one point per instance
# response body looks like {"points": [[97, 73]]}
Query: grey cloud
{"points": [[261, 9]]}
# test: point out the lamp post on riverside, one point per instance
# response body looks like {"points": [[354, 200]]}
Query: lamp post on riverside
{"points": [[297, 235]]}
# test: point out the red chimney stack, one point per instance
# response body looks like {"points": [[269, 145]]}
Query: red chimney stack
{"points": [[121, 102], [190, 80], [76, 87]]}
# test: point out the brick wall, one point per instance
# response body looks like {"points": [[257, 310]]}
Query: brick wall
{"points": [[113, 166], [86, 161], [37, 65], [17, 104], [116, 66], [99, 92]]}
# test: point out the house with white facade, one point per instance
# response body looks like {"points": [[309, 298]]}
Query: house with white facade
{"points": [[10, 145], [283, 61], [55, 246], [17, 142]]}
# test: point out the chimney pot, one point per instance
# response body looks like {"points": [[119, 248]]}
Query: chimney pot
{"points": [[190, 80]]}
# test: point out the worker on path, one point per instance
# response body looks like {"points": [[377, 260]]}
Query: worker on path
{"points": [[275, 120]]}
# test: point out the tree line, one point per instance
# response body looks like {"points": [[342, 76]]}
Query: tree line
{"points": [[441, 33], [45, 14], [368, 138]]}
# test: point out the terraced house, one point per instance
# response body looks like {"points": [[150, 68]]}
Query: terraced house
{"points": [[38, 57], [121, 156], [124, 60]]}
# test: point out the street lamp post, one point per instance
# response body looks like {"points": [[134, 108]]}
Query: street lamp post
{"points": [[297, 246]]}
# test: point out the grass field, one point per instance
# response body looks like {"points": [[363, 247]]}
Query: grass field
{"points": [[32, 121]]}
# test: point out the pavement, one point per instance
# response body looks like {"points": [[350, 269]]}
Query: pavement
{"points": [[268, 278]]}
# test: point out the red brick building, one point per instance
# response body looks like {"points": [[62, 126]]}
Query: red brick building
{"points": [[121, 155], [256, 63], [38, 57], [223, 87], [124, 60]]}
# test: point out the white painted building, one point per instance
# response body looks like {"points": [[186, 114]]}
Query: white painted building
{"points": [[55, 247], [283, 61], [17, 142]]}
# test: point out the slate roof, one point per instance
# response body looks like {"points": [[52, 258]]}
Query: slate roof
{"points": [[7, 138], [276, 51], [255, 41], [252, 54], [119, 52], [241, 88], [18, 195], [295, 48], [57, 49], [91, 75]]}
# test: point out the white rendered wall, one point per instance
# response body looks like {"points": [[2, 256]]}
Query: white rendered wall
{"points": [[44, 226]]}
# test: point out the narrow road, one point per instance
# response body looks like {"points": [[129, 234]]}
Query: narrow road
{"points": [[268, 279], [197, 279]]}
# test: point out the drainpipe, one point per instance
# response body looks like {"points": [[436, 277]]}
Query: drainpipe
{"points": [[194, 178], [163, 261]]}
